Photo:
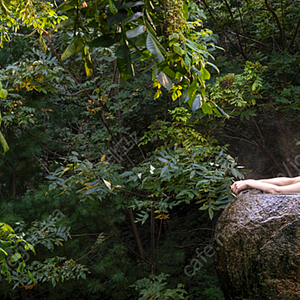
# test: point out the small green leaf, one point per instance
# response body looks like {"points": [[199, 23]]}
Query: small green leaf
{"points": [[31, 276], [112, 7], [21, 267], [178, 50], [15, 257], [210, 213]]}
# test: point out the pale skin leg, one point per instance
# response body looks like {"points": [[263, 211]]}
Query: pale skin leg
{"points": [[280, 185]]}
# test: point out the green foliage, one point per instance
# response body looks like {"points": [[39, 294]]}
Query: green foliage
{"points": [[12, 250], [207, 287], [178, 133], [27, 272], [240, 91], [155, 287]]}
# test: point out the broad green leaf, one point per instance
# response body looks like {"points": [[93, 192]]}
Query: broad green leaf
{"points": [[14, 257], [192, 91], [206, 108], [185, 10], [3, 143], [197, 103], [6, 228], [194, 47], [135, 32], [3, 93], [112, 7], [74, 47], [31, 276], [153, 49], [88, 69], [169, 72], [67, 5], [178, 50], [163, 79], [124, 62], [105, 40], [92, 190], [150, 28], [187, 62], [4, 267], [153, 33], [117, 18], [29, 246], [131, 18], [205, 74], [132, 4]]}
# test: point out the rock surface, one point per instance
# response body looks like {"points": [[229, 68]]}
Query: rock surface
{"points": [[257, 244]]}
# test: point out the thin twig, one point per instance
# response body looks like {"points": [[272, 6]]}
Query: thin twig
{"points": [[42, 164], [142, 258], [93, 248]]}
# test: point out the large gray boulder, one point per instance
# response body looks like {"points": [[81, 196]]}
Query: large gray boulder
{"points": [[257, 244]]}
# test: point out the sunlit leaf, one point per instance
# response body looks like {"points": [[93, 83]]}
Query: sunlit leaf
{"points": [[131, 18], [107, 183], [112, 7], [163, 79], [153, 49], [3, 93], [135, 32], [3, 143], [197, 103]]}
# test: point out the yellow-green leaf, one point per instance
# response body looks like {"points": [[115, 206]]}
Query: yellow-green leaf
{"points": [[74, 47], [3, 143]]}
